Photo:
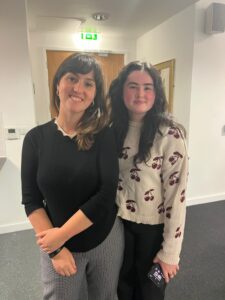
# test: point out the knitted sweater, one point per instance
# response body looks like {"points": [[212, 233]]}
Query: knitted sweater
{"points": [[61, 179], [154, 193]]}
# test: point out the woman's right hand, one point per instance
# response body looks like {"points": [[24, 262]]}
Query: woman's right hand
{"points": [[64, 263]]}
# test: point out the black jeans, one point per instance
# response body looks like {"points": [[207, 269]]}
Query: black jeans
{"points": [[142, 242]]}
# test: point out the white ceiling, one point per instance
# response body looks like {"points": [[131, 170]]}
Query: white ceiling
{"points": [[127, 17]]}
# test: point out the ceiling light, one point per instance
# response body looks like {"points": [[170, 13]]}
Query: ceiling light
{"points": [[100, 16]]}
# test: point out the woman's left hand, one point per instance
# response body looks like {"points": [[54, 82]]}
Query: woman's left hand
{"points": [[169, 271], [50, 240]]}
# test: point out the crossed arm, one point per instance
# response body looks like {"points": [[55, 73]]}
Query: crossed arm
{"points": [[63, 262], [51, 239]]}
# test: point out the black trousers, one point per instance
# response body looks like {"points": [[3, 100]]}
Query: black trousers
{"points": [[142, 242]]}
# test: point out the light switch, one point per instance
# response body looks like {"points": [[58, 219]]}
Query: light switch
{"points": [[12, 134]]}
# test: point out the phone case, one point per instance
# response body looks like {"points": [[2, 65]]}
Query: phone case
{"points": [[156, 275]]}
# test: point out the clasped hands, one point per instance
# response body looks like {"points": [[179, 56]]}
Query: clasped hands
{"points": [[51, 239]]}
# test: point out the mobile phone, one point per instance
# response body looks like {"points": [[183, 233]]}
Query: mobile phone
{"points": [[156, 275]]}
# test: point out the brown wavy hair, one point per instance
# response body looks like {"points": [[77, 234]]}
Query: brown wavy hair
{"points": [[96, 116]]}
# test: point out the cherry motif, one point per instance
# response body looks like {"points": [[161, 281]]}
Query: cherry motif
{"points": [[149, 195], [174, 131], [157, 164], [134, 174], [174, 158], [182, 196], [120, 188], [173, 178], [130, 204], [124, 153], [178, 232], [168, 212], [161, 208]]}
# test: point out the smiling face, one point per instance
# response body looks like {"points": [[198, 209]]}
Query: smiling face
{"points": [[138, 94], [76, 92]]}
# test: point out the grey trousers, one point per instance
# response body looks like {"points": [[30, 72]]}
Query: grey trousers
{"points": [[97, 271]]}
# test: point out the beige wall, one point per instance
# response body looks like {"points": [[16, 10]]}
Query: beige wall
{"points": [[17, 106]]}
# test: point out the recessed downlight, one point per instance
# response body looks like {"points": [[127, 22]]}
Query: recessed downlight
{"points": [[100, 16]]}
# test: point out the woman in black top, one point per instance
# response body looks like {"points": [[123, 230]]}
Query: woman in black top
{"points": [[69, 181]]}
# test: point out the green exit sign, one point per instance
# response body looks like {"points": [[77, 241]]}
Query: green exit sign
{"points": [[90, 36]]}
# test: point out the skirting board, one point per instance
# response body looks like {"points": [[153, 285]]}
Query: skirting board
{"points": [[205, 199], [190, 201], [15, 227]]}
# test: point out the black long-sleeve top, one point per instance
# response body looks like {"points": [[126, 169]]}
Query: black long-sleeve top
{"points": [[61, 179]]}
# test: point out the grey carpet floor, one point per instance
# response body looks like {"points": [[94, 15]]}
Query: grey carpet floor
{"points": [[202, 266]]}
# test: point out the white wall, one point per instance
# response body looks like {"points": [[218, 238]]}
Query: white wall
{"points": [[16, 103], [206, 144], [199, 94], [173, 39], [40, 41]]}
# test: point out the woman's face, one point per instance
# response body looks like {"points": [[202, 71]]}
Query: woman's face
{"points": [[138, 94], [76, 92]]}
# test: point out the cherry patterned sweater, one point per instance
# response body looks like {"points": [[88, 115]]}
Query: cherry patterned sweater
{"points": [[155, 193]]}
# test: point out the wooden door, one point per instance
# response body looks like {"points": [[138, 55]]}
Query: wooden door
{"points": [[111, 65]]}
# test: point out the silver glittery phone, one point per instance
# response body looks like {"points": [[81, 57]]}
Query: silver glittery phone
{"points": [[156, 275]]}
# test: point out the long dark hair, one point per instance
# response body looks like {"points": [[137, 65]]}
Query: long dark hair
{"points": [[97, 115], [153, 119]]}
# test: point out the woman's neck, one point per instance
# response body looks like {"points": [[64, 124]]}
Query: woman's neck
{"points": [[67, 123], [135, 117]]}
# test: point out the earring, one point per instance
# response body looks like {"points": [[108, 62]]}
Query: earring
{"points": [[93, 103], [57, 92], [57, 105]]}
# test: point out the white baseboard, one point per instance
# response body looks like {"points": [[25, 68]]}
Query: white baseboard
{"points": [[15, 227], [190, 201], [205, 199]]}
